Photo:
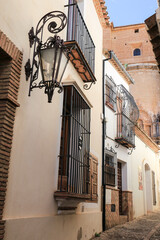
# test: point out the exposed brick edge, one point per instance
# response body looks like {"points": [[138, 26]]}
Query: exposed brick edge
{"points": [[8, 103], [9, 47], [146, 139], [129, 68], [101, 12]]}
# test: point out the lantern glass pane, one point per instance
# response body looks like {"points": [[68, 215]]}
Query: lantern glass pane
{"points": [[64, 61], [47, 59], [53, 62]]}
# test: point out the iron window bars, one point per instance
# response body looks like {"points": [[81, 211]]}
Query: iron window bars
{"points": [[127, 116], [110, 92], [77, 30], [75, 144]]}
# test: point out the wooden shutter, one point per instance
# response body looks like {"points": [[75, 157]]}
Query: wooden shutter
{"points": [[93, 178], [119, 117]]}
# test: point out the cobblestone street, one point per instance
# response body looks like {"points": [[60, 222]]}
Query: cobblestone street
{"points": [[146, 228]]}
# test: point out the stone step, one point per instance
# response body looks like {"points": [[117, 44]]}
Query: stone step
{"points": [[122, 219]]}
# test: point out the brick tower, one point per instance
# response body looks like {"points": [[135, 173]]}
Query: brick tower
{"points": [[132, 46]]}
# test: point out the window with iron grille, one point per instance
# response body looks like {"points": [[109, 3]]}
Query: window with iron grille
{"points": [[110, 93], [75, 144], [109, 170]]}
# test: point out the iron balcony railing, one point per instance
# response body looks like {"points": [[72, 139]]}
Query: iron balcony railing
{"points": [[74, 169], [125, 129], [127, 116], [77, 31]]}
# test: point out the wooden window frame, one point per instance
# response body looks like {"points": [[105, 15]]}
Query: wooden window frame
{"points": [[110, 168]]}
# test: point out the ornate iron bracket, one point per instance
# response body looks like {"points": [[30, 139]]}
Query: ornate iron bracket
{"points": [[86, 86], [112, 150], [130, 150], [31, 37], [117, 145], [28, 69]]}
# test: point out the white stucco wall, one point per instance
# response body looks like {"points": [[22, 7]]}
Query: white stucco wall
{"points": [[34, 158], [111, 129], [144, 155], [131, 164]]}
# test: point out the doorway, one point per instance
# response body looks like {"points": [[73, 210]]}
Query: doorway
{"points": [[148, 188], [119, 177]]}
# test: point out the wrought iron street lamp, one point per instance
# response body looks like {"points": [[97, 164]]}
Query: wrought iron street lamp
{"points": [[50, 55]]}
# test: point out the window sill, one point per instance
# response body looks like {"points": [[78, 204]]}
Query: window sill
{"points": [[110, 106], [68, 202], [67, 195], [112, 187], [75, 196]]}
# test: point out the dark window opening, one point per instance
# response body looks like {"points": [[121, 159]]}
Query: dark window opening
{"points": [[5, 70], [110, 93], [75, 144], [136, 30], [156, 127], [109, 170], [137, 52]]}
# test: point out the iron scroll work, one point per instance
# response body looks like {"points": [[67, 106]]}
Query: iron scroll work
{"points": [[56, 22]]}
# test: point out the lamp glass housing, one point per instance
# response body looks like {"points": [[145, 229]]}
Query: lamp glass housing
{"points": [[52, 63]]}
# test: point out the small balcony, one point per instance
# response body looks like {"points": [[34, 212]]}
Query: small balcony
{"points": [[125, 131], [79, 40], [109, 175], [127, 116]]}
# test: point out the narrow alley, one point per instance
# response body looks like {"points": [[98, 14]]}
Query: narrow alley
{"points": [[146, 228]]}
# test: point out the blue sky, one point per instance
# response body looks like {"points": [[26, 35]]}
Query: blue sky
{"points": [[126, 12]]}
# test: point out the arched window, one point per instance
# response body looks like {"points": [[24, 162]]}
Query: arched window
{"points": [[137, 52]]}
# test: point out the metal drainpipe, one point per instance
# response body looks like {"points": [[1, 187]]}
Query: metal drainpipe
{"points": [[103, 146]]}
